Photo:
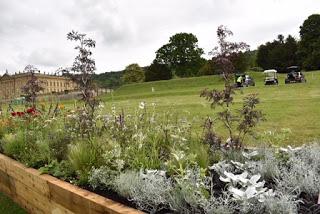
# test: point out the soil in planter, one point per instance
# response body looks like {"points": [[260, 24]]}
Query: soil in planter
{"points": [[309, 204], [116, 197], [110, 195]]}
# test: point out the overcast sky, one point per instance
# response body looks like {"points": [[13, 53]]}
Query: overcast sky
{"points": [[130, 31]]}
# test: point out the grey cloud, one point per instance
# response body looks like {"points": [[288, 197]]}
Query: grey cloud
{"points": [[46, 57], [126, 31]]}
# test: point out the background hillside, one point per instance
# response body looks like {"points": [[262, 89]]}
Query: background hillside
{"points": [[291, 110]]}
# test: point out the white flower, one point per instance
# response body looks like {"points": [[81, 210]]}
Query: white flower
{"points": [[142, 105], [230, 177], [113, 110], [178, 155], [250, 155], [238, 165], [254, 179], [120, 163], [290, 149]]}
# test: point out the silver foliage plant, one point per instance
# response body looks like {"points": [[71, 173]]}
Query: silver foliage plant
{"points": [[152, 191], [302, 171], [246, 192], [247, 187], [268, 181], [149, 190]]}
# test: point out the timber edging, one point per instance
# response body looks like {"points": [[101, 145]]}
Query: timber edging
{"points": [[38, 193]]}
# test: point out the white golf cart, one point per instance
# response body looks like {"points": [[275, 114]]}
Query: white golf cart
{"points": [[270, 77]]}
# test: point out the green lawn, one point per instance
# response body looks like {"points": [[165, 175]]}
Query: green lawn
{"points": [[7, 206], [293, 106]]}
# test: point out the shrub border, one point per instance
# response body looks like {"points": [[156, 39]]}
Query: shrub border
{"points": [[38, 193]]}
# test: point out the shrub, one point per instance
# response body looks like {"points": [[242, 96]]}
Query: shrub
{"points": [[190, 192], [62, 170], [25, 147], [269, 166], [222, 205], [149, 190], [286, 204], [201, 151], [14, 144], [158, 71], [301, 173], [58, 142], [84, 155], [133, 73], [104, 176], [6, 126], [208, 68]]}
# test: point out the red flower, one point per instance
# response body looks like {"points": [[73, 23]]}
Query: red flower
{"points": [[13, 114], [31, 111], [20, 114]]}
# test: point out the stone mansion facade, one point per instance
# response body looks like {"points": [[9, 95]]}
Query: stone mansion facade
{"points": [[10, 85]]}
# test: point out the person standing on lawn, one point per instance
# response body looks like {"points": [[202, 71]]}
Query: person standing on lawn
{"points": [[239, 81]]}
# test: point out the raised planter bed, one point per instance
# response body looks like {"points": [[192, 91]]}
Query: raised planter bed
{"points": [[45, 194]]}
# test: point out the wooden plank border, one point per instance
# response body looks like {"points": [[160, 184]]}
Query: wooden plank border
{"points": [[38, 193]]}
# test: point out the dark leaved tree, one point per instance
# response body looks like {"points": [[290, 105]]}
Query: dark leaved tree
{"points": [[223, 55], [157, 71], [279, 54], [181, 54], [309, 46], [33, 86], [208, 68], [242, 122]]}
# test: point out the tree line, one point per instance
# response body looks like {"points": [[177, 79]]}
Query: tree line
{"points": [[182, 57], [284, 52]]}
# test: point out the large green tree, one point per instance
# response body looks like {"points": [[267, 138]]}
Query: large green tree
{"points": [[108, 79], [240, 61], [181, 54], [278, 54], [309, 47], [208, 68], [157, 71], [133, 73]]}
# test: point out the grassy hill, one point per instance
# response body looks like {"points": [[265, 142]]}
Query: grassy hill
{"points": [[294, 107]]}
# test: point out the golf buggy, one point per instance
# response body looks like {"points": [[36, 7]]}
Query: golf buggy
{"points": [[294, 75], [248, 81], [270, 77], [242, 79]]}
